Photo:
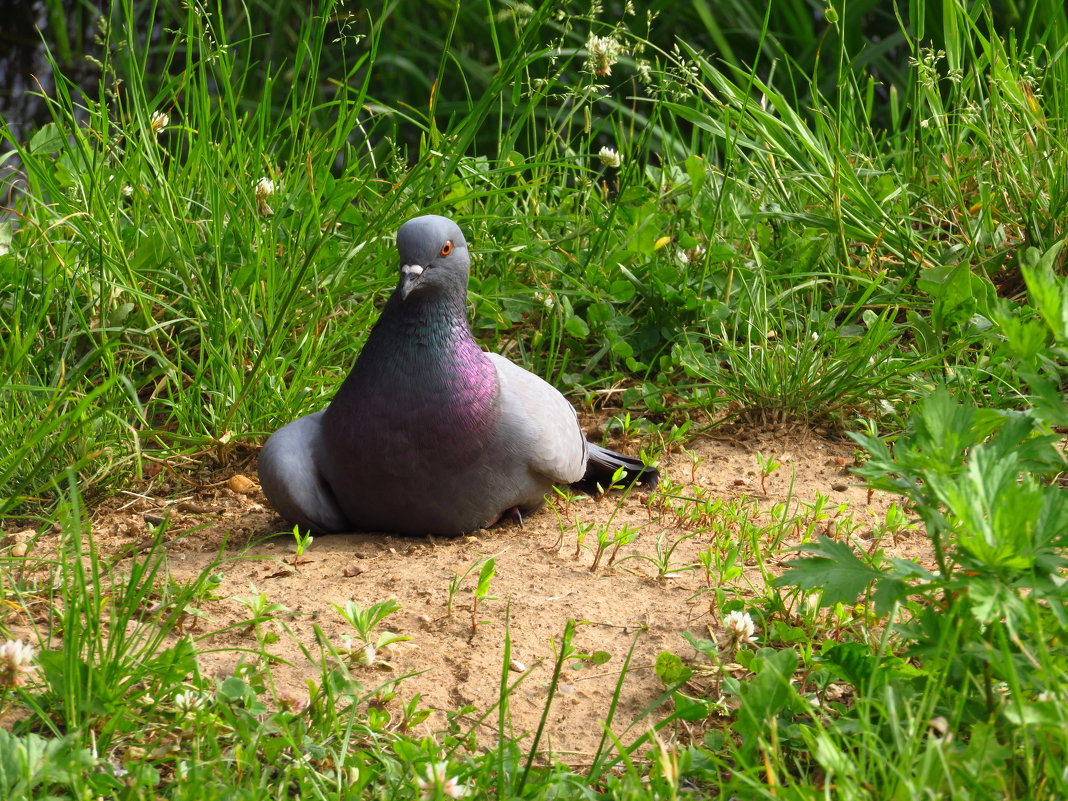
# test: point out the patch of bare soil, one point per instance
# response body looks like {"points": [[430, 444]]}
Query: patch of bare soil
{"points": [[539, 579]]}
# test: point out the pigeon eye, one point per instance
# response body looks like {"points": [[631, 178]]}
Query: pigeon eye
{"points": [[446, 249]]}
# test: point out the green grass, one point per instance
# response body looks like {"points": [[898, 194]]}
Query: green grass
{"points": [[854, 219]]}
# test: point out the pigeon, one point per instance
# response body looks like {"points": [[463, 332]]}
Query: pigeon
{"points": [[429, 434]]}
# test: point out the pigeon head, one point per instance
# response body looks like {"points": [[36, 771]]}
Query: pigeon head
{"points": [[433, 257]]}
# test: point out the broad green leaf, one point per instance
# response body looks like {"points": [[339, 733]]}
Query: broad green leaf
{"points": [[577, 327], [855, 663], [1048, 291], [31, 760], [766, 695], [670, 669], [695, 169], [600, 657], [990, 599], [835, 569], [48, 139], [691, 709], [702, 646], [621, 291]]}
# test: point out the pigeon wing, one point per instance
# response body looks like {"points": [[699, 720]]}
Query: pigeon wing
{"points": [[539, 424]]}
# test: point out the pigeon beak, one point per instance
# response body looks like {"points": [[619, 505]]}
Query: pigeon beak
{"points": [[410, 275]]}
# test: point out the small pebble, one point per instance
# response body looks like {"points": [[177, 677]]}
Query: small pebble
{"points": [[353, 570], [16, 537], [517, 666], [241, 484]]}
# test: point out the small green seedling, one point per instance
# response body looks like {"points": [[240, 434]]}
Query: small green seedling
{"points": [[581, 530], [626, 425], [894, 522], [625, 535], [485, 576], [364, 621], [582, 660], [263, 612], [721, 567], [198, 594], [695, 462], [561, 509], [664, 552], [304, 540], [676, 437], [768, 465], [262, 609], [604, 538], [615, 484], [412, 714]]}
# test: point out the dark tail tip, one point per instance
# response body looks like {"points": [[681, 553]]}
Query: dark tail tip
{"points": [[601, 466]]}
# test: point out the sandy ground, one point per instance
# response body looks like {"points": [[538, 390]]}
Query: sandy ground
{"points": [[543, 578]]}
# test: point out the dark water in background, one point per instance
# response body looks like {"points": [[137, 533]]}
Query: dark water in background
{"points": [[27, 34], [22, 56]]}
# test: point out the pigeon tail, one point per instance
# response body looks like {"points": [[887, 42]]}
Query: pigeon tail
{"points": [[601, 466]]}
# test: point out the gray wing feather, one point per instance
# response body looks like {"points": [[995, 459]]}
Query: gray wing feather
{"points": [[290, 477], [540, 422]]}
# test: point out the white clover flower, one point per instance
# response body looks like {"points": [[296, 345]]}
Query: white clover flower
{"points": [[362, 653], [610, 157], [16, 663], [601, 53], [294, 704], [739, 628], [367, 654], [265, 187], [117, 770], [545, 299], [693, 254], [437, 784], [189, 701], [159, 121]]}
